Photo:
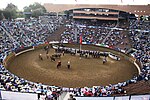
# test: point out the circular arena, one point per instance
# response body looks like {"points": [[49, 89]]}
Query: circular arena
{"points": [[83, 72], [90, 51]]}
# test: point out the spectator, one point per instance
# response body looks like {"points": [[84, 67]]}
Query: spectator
{"points": [[71, 97]]}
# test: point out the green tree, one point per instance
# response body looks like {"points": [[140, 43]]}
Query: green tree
{"points": [[7, 14], [27, 9], [1, 15], [36, 9], [20, 14], [10, 11]]}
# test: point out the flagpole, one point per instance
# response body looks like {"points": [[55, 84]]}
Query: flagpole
{"points": [[80, 42], [80, 46]]}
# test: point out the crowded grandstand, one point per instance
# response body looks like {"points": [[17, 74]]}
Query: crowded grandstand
{"points": [[131, 36]]}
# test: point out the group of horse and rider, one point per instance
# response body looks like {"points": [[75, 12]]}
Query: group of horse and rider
{"points": [[53, 57], [59, 51]]}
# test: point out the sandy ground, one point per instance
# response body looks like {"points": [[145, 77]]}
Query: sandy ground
{"points": [[83, 72]]}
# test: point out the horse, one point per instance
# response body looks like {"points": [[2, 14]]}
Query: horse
{"points": [[40, 56], [59, 64], [52, 58], [72, 53], [57, 55]]}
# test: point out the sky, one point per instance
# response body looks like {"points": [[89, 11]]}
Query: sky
{"points": [[22, 3]]}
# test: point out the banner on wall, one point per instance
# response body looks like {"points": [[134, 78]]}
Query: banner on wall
{"points": [[7, 95], [132, 97]]}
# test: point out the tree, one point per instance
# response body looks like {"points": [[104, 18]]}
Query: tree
{"points": [[7, 14], [1, 15], [20, 14], [36, 9], [27, 9], [10, 12]]}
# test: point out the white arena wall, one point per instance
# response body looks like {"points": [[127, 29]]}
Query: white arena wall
{"points": [[134, 97], [7, 95]]}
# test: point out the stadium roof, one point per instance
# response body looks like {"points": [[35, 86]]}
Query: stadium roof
{"points": [[135, 9], [20, 5]]}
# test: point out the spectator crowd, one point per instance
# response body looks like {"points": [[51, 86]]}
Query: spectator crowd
{"points": [[105, 33], [17, 34]]}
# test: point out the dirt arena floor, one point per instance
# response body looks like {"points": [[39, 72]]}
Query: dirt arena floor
{"points": [[83, 72]]}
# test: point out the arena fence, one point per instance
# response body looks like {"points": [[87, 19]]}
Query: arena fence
{"points": [[131, 97], [8, 59], [22, 50], [8, 95], [26, 49]]}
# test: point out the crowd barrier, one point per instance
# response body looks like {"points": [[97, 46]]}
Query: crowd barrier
{"points": [[131, 97], [7, 95], [8, 59], [22, 50], [26, 49]]}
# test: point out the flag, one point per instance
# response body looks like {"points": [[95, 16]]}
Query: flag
{"points": [[80, 39]]}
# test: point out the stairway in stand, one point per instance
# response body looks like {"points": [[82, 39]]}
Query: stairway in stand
{"points": [[56, 36]]}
